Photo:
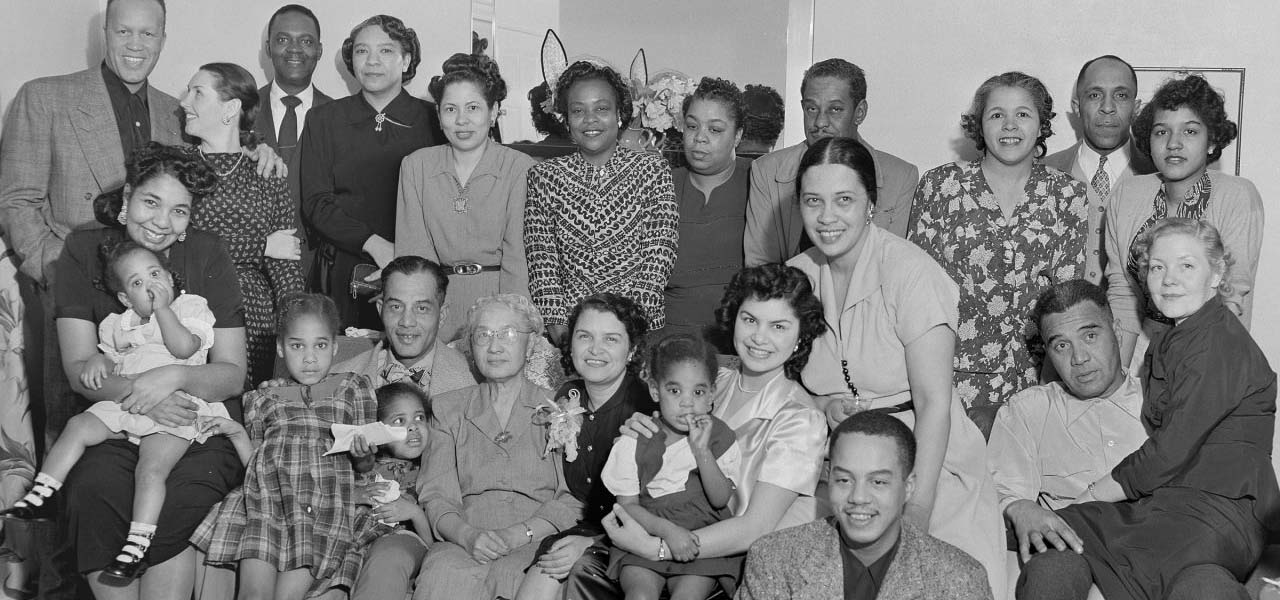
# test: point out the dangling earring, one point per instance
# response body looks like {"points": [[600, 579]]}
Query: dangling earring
{"points": [[869, 214], [182, 237], [124, 215]]}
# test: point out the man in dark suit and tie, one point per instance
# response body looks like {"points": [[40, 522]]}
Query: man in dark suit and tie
{"points": [[293, 44], [1106, 100]]}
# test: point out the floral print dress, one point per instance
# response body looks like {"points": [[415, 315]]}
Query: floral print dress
{"points": [[1001, 265]]}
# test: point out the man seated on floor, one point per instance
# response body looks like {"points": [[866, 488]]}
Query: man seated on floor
{"points": [[1049, 442], [867, 550]]}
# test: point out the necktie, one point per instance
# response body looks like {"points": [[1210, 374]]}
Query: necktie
{"points": [[288, 138], [395, 371], [1101, 181]]}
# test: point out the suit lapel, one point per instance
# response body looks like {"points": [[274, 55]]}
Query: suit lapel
{"points": [[94, 123], [166, 123], [903, 581], [266, 122]]}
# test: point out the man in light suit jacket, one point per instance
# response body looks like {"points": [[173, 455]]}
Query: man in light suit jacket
{"points": [[1105, 101], [293, 45], [867, 550], [412, 308], [835, 103]]}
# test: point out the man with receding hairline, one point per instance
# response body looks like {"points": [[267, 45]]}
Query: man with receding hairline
{"points": [[835, 104], [1105, 100], [866, 550]]}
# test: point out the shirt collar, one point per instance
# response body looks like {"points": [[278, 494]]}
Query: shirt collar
{"points": [[1127, 397], [385, 357], [1117, 161], [114, 83], [865, 281], [399, 109], [307, 95], [488, 164]]}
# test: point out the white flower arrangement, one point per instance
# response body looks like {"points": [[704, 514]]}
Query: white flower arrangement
{"points": [[563, 419], [660, 104]]}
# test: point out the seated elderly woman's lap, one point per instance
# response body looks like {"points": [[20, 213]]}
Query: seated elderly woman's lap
{"points": [[448, 572], [100, 490]]}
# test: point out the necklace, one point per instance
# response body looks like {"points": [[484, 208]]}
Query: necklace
{"points": [[857, 404], [215, 171], [745, 390], [381, 118], [460, 202]]}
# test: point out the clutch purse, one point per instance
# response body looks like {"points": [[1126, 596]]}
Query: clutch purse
{"points": [[360, 287]]}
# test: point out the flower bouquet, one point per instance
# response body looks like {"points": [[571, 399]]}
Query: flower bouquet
{"points": [[563, 420]]}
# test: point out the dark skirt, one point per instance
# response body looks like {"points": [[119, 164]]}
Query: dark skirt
{"points": [[1136, 548], [688, 509], [99, 499]]}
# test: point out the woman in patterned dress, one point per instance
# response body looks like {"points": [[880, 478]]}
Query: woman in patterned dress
{"points": [[1002, 227], [462, 205], [603, 219], [251, 213], [1184, 129], [290, 526]]}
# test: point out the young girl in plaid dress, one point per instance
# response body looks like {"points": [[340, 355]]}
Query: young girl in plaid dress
{"points": [[291, 523]]}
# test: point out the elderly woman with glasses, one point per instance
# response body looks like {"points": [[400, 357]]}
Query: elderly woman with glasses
{"points": [[490, 490]]}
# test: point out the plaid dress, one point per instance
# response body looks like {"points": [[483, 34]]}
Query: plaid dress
{"points": [[296, 507]]}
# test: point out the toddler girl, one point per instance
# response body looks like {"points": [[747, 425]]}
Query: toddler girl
{"points": [[155, 330], [678, 480], [392, 552], [291, 523]]}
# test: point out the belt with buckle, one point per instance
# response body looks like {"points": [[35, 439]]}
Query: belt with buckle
{"points": [[470, 268]]}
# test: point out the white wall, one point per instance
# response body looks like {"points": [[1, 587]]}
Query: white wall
{"points": [[924, 64], [70, 46], [744, 42]]}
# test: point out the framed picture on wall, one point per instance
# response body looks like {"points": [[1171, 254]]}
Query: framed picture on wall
{"points": [[1228, 81]]}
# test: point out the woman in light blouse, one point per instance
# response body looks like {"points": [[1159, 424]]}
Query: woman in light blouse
{"points": [[462, 204]]}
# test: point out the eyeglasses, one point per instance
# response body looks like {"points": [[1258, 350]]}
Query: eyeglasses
{"points": [[506, 334]]}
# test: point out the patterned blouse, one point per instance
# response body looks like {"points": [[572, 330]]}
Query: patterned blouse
{"points": [[590, 229], [1001, 264]]}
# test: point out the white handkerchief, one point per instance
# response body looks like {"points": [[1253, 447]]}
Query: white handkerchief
{"points": [[374, 433]]}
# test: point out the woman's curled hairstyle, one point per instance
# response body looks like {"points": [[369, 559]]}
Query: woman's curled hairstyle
{"points": [[627, 311], [776, 281], [971, 122], [584, 70], [1203, 231], [151, 161], [1196, 95], [478, 69], [722, 91], [396, 30]]}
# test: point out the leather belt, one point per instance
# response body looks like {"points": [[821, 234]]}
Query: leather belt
{"points": [[470, 268]]}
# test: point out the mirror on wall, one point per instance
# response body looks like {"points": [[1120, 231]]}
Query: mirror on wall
{"points": [[744, 42]]}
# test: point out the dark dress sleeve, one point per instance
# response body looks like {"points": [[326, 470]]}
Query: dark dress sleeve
{"points": [[285, 276], [1196, 391], [206, 265], [320, 198], [76, 271]]}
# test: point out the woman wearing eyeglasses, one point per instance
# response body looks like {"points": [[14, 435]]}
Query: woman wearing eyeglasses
{"points": [[490, 490]]}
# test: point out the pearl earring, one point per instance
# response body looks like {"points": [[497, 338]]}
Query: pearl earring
{"points": [[182, 237]]}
